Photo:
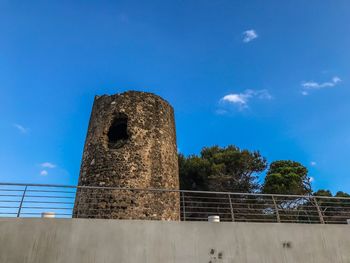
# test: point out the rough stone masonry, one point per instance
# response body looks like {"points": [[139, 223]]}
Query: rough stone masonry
{"points": [[130, 143]]}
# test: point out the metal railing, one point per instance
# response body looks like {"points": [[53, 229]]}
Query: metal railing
{"points": [[34, 200]]}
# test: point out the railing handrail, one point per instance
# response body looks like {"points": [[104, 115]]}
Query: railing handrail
{"points": [[172, 190], [34, 200]]}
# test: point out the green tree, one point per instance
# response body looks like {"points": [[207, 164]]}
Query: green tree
{"points": [[221, 169], [342, 194], [323, 192], [193, 171], [287, 177], [334, 210], [328, 193]]}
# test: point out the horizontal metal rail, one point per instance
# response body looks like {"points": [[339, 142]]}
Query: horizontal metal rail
{"points": [[168, 190], [67, 201]]}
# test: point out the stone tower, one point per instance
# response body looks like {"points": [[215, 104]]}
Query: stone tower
{"points": [[130, 143]]}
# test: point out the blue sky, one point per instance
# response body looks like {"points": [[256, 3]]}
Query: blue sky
{"points": [[263, 75]]}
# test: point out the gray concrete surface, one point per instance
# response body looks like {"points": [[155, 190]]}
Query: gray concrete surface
{"points": [[104, 241]]}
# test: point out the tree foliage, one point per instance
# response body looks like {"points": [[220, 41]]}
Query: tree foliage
{"points": [[341, 194], [333, 210], [328, 193], [323, 192], [221, 169], [287, 177], [235, 170], [231, 169]]}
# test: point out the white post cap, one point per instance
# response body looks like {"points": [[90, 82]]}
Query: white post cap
{"points": [[48, 214], [214, 219]]}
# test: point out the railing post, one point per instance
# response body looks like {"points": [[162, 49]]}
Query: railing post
{"points": [[183, 205], [276, 209], [319, 211], [231, 208], [21, 203]]}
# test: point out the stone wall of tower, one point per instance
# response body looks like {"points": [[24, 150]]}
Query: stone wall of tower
{"points": [[130, 143]]}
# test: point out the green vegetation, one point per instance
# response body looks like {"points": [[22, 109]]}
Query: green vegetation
{"points": [[221, 169], [287, 177], [234, 170]]}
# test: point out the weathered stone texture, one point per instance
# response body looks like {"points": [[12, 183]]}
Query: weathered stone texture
{"points": [[142, 156]]}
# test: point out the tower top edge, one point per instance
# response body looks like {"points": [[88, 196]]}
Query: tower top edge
{"points": [[131, 92]]}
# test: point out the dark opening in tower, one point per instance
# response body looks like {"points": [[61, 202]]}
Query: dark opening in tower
{"points": [[118, 132]]}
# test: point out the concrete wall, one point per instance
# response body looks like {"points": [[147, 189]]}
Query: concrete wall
{"points": [[104, 241]]}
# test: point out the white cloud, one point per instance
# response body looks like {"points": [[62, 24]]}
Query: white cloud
{"points": [[313, 163], [263, 94], [312, 179], [249, 35], [48, 165], [44, 172], [242, 99], [20, 128], [313, 85], [336, 79]]}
